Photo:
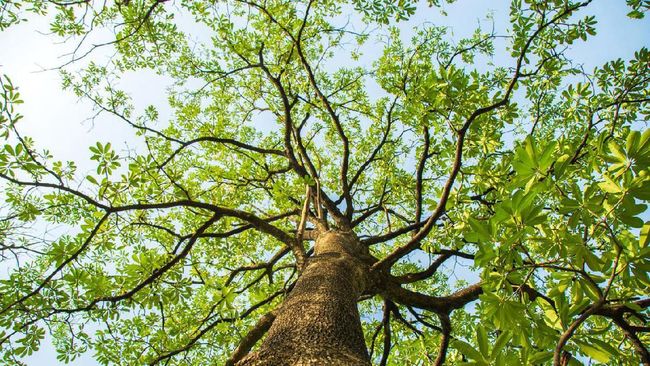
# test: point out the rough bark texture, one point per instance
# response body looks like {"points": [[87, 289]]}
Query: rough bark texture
{"points": [[318, 324]]}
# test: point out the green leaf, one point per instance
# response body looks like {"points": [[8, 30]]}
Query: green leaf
{"points": [[635, 14], [594, 351], [617, 151], [631, 221], [482, 338], [540, 357], [501, 341], [92, 180], [561, 164], [610, 186], [469, 351], [644, 235], [480, 228]]}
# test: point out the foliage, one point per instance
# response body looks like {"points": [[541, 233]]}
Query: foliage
{"points": [[534, 173]]}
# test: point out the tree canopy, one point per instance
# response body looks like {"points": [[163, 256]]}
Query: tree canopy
{"points": [[503, 205]]}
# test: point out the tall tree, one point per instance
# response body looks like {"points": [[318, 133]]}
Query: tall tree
{"points": [[302, 204]]}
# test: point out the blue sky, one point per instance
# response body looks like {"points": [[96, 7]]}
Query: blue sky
{"points": [[59, 122]]}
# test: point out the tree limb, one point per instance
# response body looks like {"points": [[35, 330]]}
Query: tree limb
{"points": [[253, 336]]}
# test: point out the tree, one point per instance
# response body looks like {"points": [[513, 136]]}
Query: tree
{"points": [[291, 211]]}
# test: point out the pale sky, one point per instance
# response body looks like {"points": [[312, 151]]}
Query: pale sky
{"points": [[57, 121]]}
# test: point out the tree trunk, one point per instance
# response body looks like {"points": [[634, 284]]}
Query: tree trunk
{"points": [[318, 323]]}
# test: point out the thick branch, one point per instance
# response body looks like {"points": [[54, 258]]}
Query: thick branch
{"points": [[568, 333], [418, 276], [444, 341], [289, 152], [439, 305], [630, 333], [251, 338], [157, 273]]}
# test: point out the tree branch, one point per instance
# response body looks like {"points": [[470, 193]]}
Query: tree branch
{"points": [[444, 341], [414, 243], [251, 338], [205, 330], [387, 334], [419, 276], [439, 305]]}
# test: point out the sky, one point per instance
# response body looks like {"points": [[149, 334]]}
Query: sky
{"points": [[59, 121]]}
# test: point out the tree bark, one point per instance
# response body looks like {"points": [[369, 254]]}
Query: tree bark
{"points": [[318, 323]]}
